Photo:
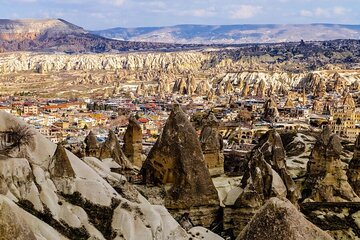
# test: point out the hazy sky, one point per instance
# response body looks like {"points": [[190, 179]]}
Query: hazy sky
{"points": [[100, 14]]}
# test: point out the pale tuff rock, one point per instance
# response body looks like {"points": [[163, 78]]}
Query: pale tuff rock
{"points": [[266, 174], [93, 209], [348, 103], [177, 158], [317, 106], [260, 92], [320, 89], [12, 226], [212, 145], [202, 88], [254, 89], [133, 142], [91, 145], [211, 95], [271, 112], [246, 90], [141, 89], [229, 88], [219, 90], [354, 168], [277, 220], [339, 83], [180, 86], [289, 103], [111, 148], [326, 180]]}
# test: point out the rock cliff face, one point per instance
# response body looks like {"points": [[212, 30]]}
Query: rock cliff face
{"points": [[327, 180], [133, 142], [94, 202], [279, 219]]}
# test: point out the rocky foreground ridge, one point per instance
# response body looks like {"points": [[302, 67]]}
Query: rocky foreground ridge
{"points": [[46, 192]]}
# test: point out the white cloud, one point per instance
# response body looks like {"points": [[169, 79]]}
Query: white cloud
{"points": [[245, 11], [114, 2], [324, 12], [340, 10], [203, 13]]}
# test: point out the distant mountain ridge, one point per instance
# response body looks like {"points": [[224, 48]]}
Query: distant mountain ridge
{"points": [[234, 34], [58, 35]]}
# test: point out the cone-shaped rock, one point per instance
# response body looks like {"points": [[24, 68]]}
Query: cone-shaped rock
{"points": [[326, 178], [278, 220], [354, 168], [246, 89], [270, 110], [212, 145], [112, 149], [92, 146], [60, 166], [349, 103], [12, 226], [266, 174], [133, 142], [289, 103], [260, 92], [177, 158]]}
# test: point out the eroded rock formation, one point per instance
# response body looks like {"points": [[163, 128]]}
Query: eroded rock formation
{"points": [[279, 219], [212, 145], [60, 165], [133, 142], [177, 158], [266, 174], [326, 178], [12, 226], [354, 168], [271, 112], [111, 149], [91, 145]]}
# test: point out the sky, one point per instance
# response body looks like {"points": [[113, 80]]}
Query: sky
{"points": [[103, 14]]}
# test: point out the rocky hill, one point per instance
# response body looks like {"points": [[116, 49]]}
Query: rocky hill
{"points": [[58, 35], [234, 34]]}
